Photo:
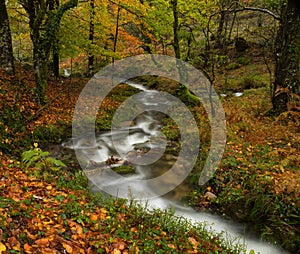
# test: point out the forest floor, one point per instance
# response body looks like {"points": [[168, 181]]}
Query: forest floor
{"points": [[44, 211]]}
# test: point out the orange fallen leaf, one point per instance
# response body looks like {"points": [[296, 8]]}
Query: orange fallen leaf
{"points": [[134, 229], [12, 241], [27, 247], [121, 246], [31, 236], [93, 217], [42, 242], [193, 241], [67, 247]]}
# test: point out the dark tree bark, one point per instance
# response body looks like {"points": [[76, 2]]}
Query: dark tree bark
{"points": [[116, 33], [6, 51], [175, 29], [219, 39], [287, 71], [44, 24], [55, 56], [55, 48], [189, 44]]}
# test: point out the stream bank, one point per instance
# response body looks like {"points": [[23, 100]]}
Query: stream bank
{"points": [[258, 180], [93, 152], [236, 181]]}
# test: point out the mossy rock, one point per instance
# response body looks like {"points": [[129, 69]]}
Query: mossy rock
{"points": [[186, 96], [124, 169]]}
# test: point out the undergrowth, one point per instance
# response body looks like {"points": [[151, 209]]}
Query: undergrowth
{"points": [[257, 181], [100, 223]]}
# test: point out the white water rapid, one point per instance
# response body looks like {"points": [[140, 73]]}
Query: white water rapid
{"points": [[122, 143]]}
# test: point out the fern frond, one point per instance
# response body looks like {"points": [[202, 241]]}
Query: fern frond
{"points": [[55, 162]]}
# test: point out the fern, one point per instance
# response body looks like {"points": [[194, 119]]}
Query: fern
{"points": [[40, 159], [290, 160], [55, 164]]}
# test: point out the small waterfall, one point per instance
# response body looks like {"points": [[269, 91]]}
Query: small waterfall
{"points": [[135, 140]]}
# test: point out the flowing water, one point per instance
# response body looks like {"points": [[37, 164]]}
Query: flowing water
{"points": [[131, 142]]}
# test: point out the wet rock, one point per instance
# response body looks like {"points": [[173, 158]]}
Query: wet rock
{"points": [[124, 169]]}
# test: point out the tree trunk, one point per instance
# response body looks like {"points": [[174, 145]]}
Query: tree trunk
{"points": [[116, 33], [40, 65], [44, 24], [41, 76], [55, 49], [287, 71], [6, 51], [55, 55], [219, 39], [175, 29]]}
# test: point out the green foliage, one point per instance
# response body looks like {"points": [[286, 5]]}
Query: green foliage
{"points": [[250, 81], [73, 210], [152, 230], [51, 133], [233, 66], [243, 60], [170, 130], [12, 125], [245, 194], [40, 159]]}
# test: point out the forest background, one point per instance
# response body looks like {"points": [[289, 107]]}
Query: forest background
{"points": [[49, 49]]}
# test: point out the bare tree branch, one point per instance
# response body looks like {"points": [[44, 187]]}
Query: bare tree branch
{"points": [[276, 17]]}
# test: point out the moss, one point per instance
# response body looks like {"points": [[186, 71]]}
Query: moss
{"points": [[52, 133], [233, 66], [186, 96], [125, 169], [244, 60]]}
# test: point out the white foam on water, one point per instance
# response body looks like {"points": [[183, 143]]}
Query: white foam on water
{"points": [[125, 139]]}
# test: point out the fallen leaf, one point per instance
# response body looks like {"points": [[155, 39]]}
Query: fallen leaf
{"points": [[116, 251], [27, 247], [2, 247], [67, 247], [42, 242], [93, 217]]}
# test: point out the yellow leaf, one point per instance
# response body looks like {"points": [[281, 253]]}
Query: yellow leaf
{"points": [[35, 145], [171, 246], [2, 247], [116, 251], [68, 248]]}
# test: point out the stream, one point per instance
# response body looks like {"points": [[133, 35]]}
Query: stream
{"points": [[126, 145]]}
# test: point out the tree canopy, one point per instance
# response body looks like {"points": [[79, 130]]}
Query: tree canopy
{"points": [[96, 33]]}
